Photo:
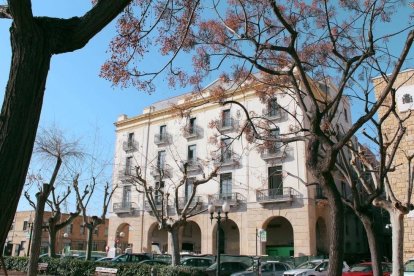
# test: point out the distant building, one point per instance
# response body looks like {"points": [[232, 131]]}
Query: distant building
{"points": [[399, 178], [264, 186], [17, 243]]}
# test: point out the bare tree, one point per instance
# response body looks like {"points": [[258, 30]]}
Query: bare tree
{"points": [[373, 186], [55, 222], [34, 40], [83, 200], [51, 146]]}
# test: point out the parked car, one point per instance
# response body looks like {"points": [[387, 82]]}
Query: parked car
{"points": [[104, 259], [92, 259], [153, 262], [313, 268], [200, 262], [409, 268], [365, 269], [131, 258], [267, 268], [226, 268]]}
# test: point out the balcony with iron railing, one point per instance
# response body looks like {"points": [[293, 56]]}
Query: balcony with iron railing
{"points": [[130, 145], [193, 166], [163, 172], [125, 175], [124, 207], [162, 139], [192, 132], [277, 151], [232, 198], [285, 194], [182, 201], [157, 203], [228, 124], [227, 159]]}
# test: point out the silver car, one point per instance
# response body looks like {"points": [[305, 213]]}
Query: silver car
{"points": [[268, 268]]}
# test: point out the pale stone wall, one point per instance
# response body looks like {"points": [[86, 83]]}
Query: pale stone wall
{"points": [[399, 178]]}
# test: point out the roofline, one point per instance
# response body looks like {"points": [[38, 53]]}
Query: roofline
{"points": [[404, 71]]}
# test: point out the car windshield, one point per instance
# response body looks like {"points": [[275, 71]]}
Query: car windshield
{"points": [[409, 266], [308, 265], [361, 268]]}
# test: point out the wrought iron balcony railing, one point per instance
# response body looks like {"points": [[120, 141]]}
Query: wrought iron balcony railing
{"points": [[228, 124], [231, 198], [130, 145], [275, 195], [125, 175], [275, 152], [162, 138], [193, 132], [273, 114], [124, 207], [164, 172]]}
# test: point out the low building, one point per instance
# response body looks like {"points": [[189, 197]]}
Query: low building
{"points": [[72, 237]]}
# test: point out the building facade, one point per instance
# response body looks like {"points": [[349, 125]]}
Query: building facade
{"points": [[404, 86], [19, 237], [265, 185]]}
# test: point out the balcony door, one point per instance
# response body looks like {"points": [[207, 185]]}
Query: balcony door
{"points": [[126, 196], [275, 180], [225, 186], [161, 160]]}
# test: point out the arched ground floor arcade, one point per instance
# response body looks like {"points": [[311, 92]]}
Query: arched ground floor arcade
{"points": [[289, 232]]}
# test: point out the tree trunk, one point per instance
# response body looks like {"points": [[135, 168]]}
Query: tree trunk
{"points": [[19, 117], [336, 248], [173, 234], [397, 224], [89, 242], [373, 243], [52, 241], [37, 231]]}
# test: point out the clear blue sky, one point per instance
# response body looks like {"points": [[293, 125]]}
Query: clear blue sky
{"points": [[76, 98]]}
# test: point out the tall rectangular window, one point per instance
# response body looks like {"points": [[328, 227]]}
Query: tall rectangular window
{"points": [[163, 132], [274, 133], [191, 155], [25, 225], [159, 187], [273, 107], [226, 153], [69, 228], [191, 125], [130, 140], [225, 185], [226, 119], [82, 229], [128, 165], [346, 115], [126, 195], [188, 188], [275, 180], [161, 159]]}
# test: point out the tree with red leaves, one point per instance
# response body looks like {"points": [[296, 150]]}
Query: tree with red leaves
{"points": [[289, 45]]}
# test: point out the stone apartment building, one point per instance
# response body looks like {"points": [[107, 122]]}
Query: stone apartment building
{"points": [[399, 178], [19, 237], [265, 188]]}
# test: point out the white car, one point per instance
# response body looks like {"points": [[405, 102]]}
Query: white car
{"points": [[268, 268], [409, 268], [313, 268]]}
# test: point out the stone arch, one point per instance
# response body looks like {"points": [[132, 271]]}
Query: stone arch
{"points": [[157, 239], [229, 238], [279, 237], [122, 238], [191, 237], [322, 237]]}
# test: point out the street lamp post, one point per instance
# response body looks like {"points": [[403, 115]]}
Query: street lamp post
{"points": [[225, 209]]}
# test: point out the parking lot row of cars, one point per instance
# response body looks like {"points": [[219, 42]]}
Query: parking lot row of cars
{"points": [[244, 267]]}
